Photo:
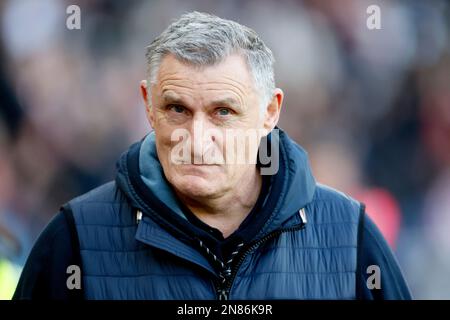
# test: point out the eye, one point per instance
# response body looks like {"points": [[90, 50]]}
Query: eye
{"points": [[224, 111], [176, 108]]}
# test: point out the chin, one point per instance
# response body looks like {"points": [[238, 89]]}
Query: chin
{"points": [[196, 187]]}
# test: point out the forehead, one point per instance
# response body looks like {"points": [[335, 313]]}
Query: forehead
{"points": [[232, 73]]}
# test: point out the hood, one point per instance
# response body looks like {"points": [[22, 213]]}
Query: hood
{"points": [[141, 178]]}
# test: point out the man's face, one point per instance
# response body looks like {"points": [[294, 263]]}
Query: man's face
{"points": [[206, 104]]}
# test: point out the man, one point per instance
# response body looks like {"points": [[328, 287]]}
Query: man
{"points": [[193, 214]]}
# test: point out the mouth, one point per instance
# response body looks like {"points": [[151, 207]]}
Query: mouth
{"points": [[201, 165], [199, 169]]}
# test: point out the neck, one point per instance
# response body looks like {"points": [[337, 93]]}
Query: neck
{"points": [[227, 211]]}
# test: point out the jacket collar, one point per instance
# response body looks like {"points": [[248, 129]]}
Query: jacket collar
{"points": [[295, 186]]}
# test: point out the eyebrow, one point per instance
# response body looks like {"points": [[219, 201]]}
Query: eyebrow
{"points": [[227, 102], [173, 98]]}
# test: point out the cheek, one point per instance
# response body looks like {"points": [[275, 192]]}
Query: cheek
{"points": [[163, 148], [158, 117], [232, 174], [163, 129]]}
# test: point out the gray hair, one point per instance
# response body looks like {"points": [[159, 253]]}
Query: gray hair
{"points": [[203, 39]]}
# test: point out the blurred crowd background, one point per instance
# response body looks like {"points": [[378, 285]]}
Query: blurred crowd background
{"points": [[372, 108]]}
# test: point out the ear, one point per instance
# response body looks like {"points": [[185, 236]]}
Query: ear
{"points": [[272, 112], [145, 95]]}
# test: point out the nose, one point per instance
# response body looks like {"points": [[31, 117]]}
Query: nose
{"points": [[204, 136]]}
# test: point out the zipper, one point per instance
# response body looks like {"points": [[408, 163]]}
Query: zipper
{"points": [[227, 274], [224, 289]]}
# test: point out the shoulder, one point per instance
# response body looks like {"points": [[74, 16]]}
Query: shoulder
{"points": [[377, 262], [107, 192], [104, 205], [55, 233], [44, 274], [373, 243], [331, 205], [328, 194]]}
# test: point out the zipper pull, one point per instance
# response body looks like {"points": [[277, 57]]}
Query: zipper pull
{"points": [[138, 216], [223, 295], [302, 214]]}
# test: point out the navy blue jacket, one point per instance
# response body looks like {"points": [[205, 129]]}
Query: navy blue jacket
{"points": [[132, 241]]}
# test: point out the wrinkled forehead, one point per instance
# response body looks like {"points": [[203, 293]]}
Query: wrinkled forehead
{"points": [[232, 73]]}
